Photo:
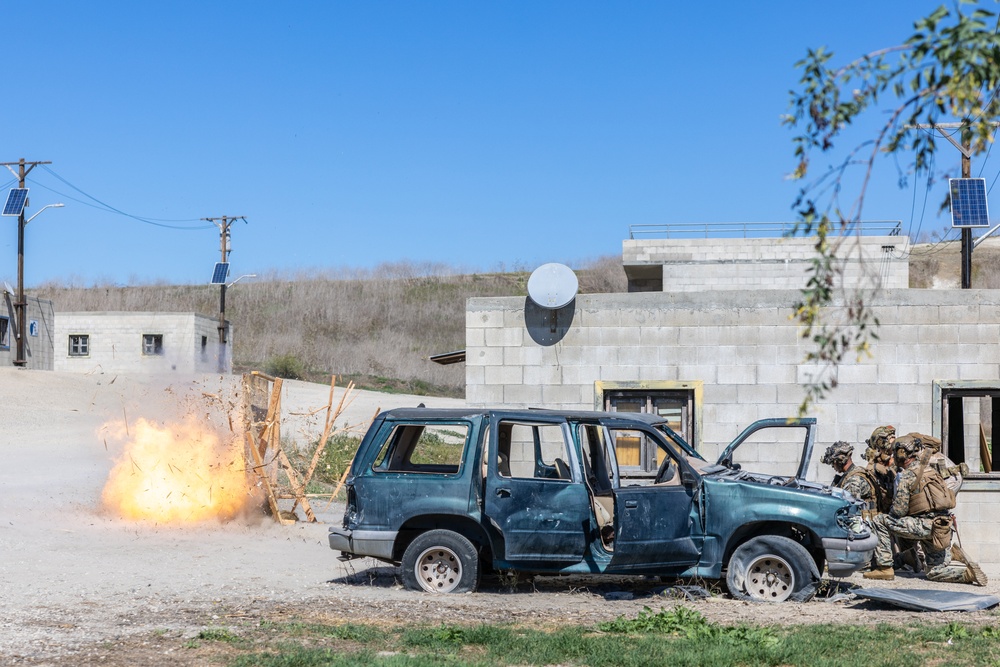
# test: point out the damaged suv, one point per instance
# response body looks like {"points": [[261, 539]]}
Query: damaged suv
{"points": [[452, 493]]}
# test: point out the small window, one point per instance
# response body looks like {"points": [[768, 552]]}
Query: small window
{"points": [[152, 344], [424, 448], [532, 451], [637, 454], [4, 333], [79, 345]]}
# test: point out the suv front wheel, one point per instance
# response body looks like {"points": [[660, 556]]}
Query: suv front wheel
{"points": [[440, 561], [771, 568]]}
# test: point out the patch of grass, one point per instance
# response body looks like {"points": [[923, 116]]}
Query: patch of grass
{"points": [[363, 634], [390, 385], [219, 635], [677, 621], [286, 366], [677, 636], [337, 455]]}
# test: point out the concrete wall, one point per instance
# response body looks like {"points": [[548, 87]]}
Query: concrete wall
{"points": [[40, 332], [690, 265], [190, 343], [745, 353]]}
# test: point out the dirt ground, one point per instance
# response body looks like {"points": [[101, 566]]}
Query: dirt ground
{"points": [[82, 586]]}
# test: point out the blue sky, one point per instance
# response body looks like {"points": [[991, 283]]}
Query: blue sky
{"points": [[480, 135]]}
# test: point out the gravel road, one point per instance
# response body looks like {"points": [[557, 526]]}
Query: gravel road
{"points": [[82, 586]]}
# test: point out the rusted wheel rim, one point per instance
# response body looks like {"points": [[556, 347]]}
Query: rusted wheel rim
{"points": [[438, 569], [770, 578]]}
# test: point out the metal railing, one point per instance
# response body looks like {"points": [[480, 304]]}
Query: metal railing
{"points": [[747, 230]]}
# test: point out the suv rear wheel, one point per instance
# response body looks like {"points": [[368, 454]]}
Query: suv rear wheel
{"points": [[771, 568], [440, 561]]}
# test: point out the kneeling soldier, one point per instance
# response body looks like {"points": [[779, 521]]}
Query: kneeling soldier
{"points": [[858, 481], [920, 511]]}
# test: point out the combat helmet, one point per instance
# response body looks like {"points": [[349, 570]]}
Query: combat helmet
{"points": [[880, 437], [838, 453], [910, 447]]}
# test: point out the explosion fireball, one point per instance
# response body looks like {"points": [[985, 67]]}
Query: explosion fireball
{"points": [[178, 473]]}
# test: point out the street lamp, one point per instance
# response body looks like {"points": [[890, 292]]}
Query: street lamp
{"points": [[246, 275], [42, 209], [20, 306]]}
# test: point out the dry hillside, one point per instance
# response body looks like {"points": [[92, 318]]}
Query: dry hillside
{"points": [[376, 327], [379, 327]]}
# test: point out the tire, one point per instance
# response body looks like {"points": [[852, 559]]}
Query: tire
{"points": [[441, 561], [771, 568]]}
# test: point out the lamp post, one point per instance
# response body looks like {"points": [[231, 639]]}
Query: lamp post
{"points": [[20, 306]]}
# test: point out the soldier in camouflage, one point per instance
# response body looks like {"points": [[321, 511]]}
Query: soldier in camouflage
{"points": [[932, 455], [913, 517], [881, 466], [852, 478]]}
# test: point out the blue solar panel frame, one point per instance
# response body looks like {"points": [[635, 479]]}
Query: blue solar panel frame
{"points": [[968, 202], [16, 199], [221, 273]]}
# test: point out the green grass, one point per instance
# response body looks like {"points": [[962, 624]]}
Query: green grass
{"points": [[337, 455], [677, 637]]}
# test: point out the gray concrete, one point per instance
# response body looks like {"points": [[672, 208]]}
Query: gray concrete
{"points": [[693, 265], [190, 343], [39, 329]]}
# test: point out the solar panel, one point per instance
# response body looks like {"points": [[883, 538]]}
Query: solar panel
{"points": [[968, 202], [16, 200], [221, 273]]}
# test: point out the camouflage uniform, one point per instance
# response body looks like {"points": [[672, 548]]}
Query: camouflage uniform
{"points": [[952, 474], [880, 465], [856, 481], [898, 523]]}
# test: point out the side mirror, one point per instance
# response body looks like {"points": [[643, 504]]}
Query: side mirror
{"points": [[688, 478]]}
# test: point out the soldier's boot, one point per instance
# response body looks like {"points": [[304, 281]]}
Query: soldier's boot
{"points": [[882, 573], [975, 575]]}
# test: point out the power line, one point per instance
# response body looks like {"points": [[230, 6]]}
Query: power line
{"points": [[107, 207]]}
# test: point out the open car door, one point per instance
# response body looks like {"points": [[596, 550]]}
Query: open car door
{"points": [[657, 525], [777, 447], [534, 491]]}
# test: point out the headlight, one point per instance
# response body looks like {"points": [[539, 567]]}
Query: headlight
{"points": [[851, 521]]}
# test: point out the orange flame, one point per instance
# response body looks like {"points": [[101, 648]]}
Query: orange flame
{"points": [[178, 473]]}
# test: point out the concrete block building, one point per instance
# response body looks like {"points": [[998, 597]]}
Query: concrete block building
{"points": [[140, 342], [746, 262], [40, 330], [714, 360]]}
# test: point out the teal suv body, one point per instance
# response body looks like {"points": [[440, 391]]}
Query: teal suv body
{"points": [[452, 493]]}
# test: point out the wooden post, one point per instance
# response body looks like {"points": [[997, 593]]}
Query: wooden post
{"points": [[297, 487], [261, 472], [330, 420]]}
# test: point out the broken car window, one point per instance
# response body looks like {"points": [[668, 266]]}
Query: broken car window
{"points": [[532, 451], [426, 448]]}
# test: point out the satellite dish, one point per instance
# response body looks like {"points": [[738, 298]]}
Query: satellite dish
{"points": [[552, 285]]}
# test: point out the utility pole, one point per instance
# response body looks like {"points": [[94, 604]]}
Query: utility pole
{"points": [[965, 148], [966, 231], [20, 305], [224, 223]]}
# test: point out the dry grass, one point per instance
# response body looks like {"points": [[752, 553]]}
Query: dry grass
{"points": [[939, 265], [377, 327]]}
